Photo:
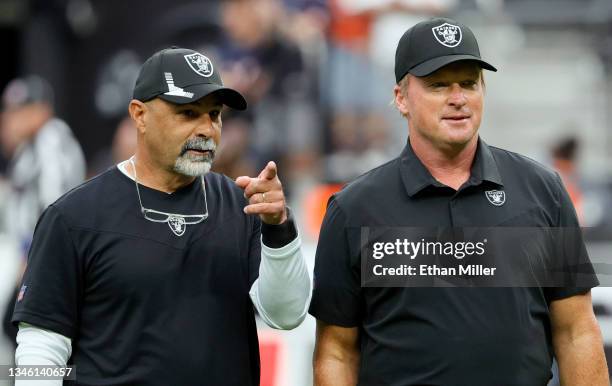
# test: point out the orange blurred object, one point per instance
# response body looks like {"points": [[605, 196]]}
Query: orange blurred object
{"points": [[315, 205], [273, 357], [351, 31]]}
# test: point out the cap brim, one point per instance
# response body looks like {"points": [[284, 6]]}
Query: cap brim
{"points": [[227, 96], [434, 64]]}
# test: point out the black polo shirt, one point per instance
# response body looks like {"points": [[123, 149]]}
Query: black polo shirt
{"points": [[442, 336], [143, 305]]}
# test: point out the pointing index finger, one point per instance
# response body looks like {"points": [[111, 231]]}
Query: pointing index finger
{"points": [[269, 172]]}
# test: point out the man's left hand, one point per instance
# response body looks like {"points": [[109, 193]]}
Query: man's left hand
{"points": [[265, 195]]}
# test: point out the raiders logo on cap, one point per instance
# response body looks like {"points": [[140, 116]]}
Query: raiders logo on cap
{"points": [[448, 35], [200, 64]]}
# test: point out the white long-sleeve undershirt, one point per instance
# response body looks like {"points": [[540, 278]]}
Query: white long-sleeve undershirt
{"points": [[281, 294], [36, 346]]}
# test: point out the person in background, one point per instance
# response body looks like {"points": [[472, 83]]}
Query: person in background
{"points": [[46, 161], [269, 69], [123, 145], [564, 161], [46, 158]]}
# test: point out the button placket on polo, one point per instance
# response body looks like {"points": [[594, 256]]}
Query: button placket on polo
{"points": [[451, 210]]}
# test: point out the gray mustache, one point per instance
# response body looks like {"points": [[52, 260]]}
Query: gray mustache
{"points": [[199, 144]]}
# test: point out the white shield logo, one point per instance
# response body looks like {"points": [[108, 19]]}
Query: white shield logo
{"points": [[200, 64], [177, 225], [448, 35], [496, 197]]}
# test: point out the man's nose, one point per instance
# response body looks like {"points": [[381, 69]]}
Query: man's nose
{"points": [[457, 95], [204, 127]]}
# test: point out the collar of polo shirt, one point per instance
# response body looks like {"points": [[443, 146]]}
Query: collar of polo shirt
{"points": [[416, 177]]}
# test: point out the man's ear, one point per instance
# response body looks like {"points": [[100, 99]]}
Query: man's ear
{"points": [[401, 100], [138, 111]]}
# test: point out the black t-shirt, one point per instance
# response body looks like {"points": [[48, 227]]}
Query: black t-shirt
{"points": [[442, 336], [142, 305]]}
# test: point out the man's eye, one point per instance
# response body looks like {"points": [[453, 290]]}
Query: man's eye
{"points": [[188, 113], [468, 83], [214, 114], [437, 84]]}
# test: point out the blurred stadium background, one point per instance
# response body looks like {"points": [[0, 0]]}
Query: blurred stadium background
{"points": [[318, 75]]}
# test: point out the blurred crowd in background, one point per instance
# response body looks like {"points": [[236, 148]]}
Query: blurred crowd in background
{"points": [[318, 76]]}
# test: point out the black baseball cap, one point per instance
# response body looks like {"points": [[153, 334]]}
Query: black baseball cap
{"points": [[23, 91], [432, 44], [180, 75]]}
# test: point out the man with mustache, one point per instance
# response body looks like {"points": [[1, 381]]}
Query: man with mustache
{"points": [[149, 273], [447, 177]]}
